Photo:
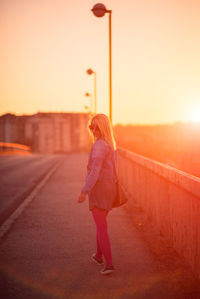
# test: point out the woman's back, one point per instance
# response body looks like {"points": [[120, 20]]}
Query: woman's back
{"points": [[101, 153]]}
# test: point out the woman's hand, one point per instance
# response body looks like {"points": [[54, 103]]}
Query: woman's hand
{"points": [[81, 198]]}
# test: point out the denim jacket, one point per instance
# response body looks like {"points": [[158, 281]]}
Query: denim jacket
{"points": [[100, 165]]}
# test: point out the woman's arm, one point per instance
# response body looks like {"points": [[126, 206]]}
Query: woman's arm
{"points": [[98, 155]]}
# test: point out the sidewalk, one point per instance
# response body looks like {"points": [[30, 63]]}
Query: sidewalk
{"points": [[47, 252]]}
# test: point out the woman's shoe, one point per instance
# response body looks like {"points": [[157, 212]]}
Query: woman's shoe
{"points": [[98, 262], [107, 270]]}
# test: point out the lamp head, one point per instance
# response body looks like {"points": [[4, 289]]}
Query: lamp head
{"points": [[99, 10], [89, 71], [87, 94]]}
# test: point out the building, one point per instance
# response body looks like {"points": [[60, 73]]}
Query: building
{"points": [[47, 132], [12, 128]]}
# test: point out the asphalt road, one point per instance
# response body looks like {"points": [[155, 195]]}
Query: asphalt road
{"points": [[18, 176], [46, 254]]}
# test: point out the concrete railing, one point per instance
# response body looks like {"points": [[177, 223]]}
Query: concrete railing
{"points": [[171, 198], [13, 147]]}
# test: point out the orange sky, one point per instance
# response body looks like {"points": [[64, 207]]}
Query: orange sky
{"points": [[47, 45]]}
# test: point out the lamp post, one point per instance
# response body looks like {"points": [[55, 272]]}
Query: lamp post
{"points": [[99, 11], [87, 94], [87, 108], [91, 72]]}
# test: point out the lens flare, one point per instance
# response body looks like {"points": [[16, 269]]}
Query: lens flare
{"points": [[195, 114]]}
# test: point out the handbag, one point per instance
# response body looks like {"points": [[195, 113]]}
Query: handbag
{"points": [[121, 195]]}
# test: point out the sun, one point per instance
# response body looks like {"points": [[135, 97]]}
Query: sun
{"points": [[195, 115]]}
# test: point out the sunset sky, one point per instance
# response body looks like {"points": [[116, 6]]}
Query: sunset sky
{"points": [[47, 45]]}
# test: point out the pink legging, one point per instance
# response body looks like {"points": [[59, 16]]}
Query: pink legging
{"points": [[102, 237]]}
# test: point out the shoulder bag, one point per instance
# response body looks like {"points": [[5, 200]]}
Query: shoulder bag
{"points": [[121, 196]]}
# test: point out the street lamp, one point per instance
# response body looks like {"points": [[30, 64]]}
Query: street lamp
{"points": [[87, 94], [99, 11], [91, 72]]}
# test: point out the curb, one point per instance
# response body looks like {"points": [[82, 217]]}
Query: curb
{"points": [[11, 219]]}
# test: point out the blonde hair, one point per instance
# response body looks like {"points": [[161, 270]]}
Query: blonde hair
{"points": [[103, 123]]}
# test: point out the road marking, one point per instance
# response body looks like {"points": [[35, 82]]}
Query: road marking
{"points": [[13, 217]]}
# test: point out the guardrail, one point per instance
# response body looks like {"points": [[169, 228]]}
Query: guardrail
{"points": [[171, 198], [6, 146]]}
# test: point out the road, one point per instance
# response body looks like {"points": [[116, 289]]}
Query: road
{"points": [[46, 254], [18, 175]]}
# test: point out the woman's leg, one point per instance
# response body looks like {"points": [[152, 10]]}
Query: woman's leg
{"points": [[103, 241], [99, 252]]}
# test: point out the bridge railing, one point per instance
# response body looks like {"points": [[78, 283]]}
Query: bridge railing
{"points": [[6, 146], [171, 198]]}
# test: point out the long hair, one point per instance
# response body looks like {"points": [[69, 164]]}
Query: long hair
{"points": [[102, 122]]}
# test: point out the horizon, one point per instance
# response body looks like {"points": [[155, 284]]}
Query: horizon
{"points": [[193, 123]]}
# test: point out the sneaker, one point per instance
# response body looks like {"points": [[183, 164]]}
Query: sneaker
{"points": [[107, 270], [98, 262]]}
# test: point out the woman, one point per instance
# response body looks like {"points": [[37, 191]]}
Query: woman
{"points": [[100, 185]]}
